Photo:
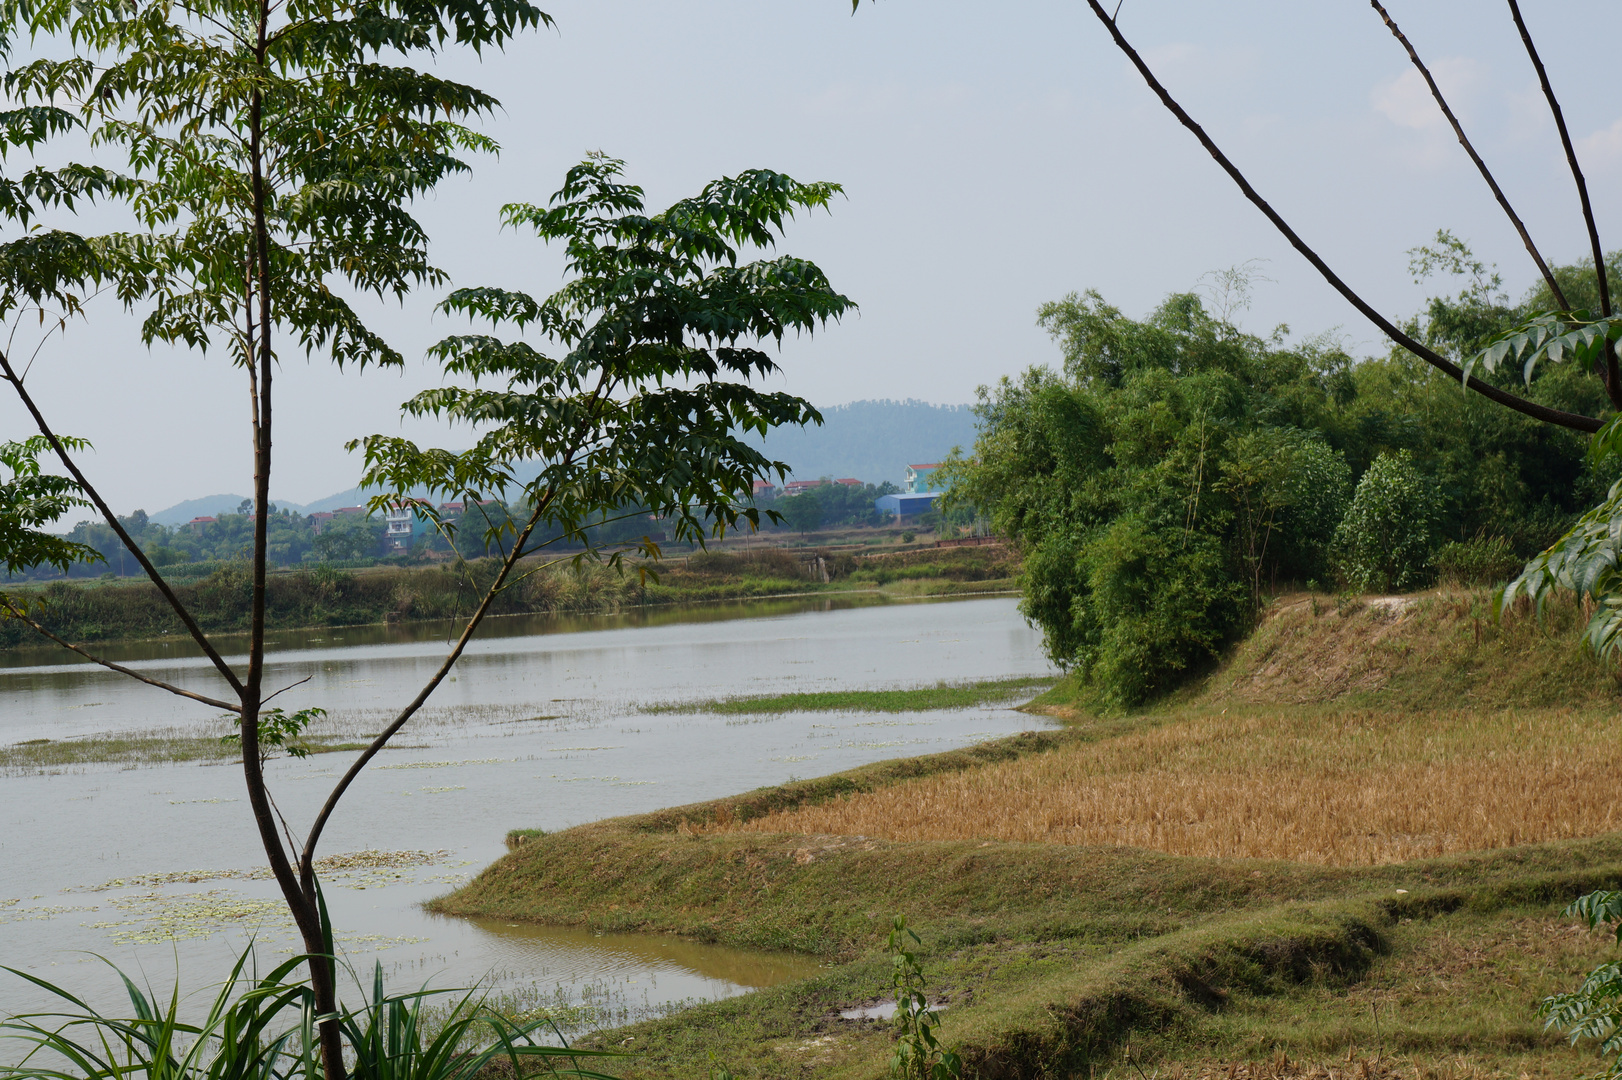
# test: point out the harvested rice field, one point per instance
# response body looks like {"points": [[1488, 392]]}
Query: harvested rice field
{"points": [[1330, 787]]}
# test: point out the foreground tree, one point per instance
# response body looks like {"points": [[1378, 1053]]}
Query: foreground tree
{"points": [[273, 152]]}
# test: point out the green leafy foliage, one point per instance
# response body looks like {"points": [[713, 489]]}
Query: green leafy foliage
{"points": [[832, 505], [641, 410], [803, 512], [270, 153], [919, 1053], [262, 1028], [394, 1038], [348, 537], [29, 500], [1593, 1011], [279, 730], [1584, 561], [1480, 560], [244, 1033], [1174, 457], [1156, 485], [1384, 542]]}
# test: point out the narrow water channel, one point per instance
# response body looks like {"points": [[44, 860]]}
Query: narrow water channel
{"points": [[546, 725]]}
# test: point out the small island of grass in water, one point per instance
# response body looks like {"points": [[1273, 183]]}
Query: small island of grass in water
{"points": [[943, 695]]}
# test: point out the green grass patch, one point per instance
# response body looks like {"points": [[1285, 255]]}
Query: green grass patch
{"points": [[134, 749], [943, 695]]}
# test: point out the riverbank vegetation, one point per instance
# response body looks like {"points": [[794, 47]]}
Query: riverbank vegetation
{"points": [[1175, 472], [324, 596], [943, 695], [1310, 860]]}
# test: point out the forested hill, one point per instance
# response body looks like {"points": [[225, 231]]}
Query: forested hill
{"points": [[872, 440]]}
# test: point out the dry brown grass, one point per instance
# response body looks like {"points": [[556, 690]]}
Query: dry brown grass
{"points": [[1334, 787]]}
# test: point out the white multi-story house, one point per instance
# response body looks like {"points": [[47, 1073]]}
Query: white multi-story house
{"points": [[401, 521]]}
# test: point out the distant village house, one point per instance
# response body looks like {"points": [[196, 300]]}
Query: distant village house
{"points": [[918, 497]]}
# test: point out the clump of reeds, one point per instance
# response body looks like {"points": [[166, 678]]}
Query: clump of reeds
{"points": [[1350, 787]]}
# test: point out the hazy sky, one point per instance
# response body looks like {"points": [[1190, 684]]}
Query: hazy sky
{"points": [[994, 156]]}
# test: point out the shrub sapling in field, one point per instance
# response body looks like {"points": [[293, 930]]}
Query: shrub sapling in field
{"points": [[919, 1054]]}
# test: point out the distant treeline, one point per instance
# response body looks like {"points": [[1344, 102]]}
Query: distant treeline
{"points": [[104, 611], [320, 597], [347, 541]]}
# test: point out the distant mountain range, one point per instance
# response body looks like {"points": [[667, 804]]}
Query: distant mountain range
{"points": [[872, 441], [215, 505]]}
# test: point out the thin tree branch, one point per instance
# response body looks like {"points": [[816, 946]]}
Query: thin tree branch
{"points": [[285, 689], [123, 535], [1486, 174], [17, 613], [307, 858], [1558, 417], [1613, 377]]}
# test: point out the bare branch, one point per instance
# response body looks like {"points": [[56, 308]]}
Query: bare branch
{"points": [[1486, 174], [308, 858], [1613, 377], [15, 612], [285, 689], [1558, 417], [123, 535], [577, 441]]}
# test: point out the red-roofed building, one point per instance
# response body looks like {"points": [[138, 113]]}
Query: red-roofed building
{"points": [[199, 522]]}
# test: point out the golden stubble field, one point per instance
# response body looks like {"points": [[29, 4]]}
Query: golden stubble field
{"points": [[1336, 787]]}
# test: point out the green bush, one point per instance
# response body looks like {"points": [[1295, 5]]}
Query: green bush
{"points": [[1163, 602], [1383, 543], [1320, 485], [1480, 560]]}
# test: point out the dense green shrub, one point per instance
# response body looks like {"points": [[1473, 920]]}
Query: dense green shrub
{"points": [[1162, 484], [1177, 470], [1384, 541], [1480, 560]]}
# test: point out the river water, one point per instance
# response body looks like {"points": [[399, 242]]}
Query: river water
{"points": [[546, 724]]}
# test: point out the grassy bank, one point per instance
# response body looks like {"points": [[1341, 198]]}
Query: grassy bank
{"points": [[944, 695], [1350, 846], [35, 756], [107, 611]]}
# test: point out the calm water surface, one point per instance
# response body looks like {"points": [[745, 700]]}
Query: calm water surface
{"points": [[544, 726]]}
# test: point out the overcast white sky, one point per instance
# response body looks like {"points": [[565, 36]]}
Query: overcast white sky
{"points": [[995, 156]]}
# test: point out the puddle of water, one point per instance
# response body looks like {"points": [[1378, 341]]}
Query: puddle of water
{"points": [[539, 730], [884, 1010], [574, 953]]}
